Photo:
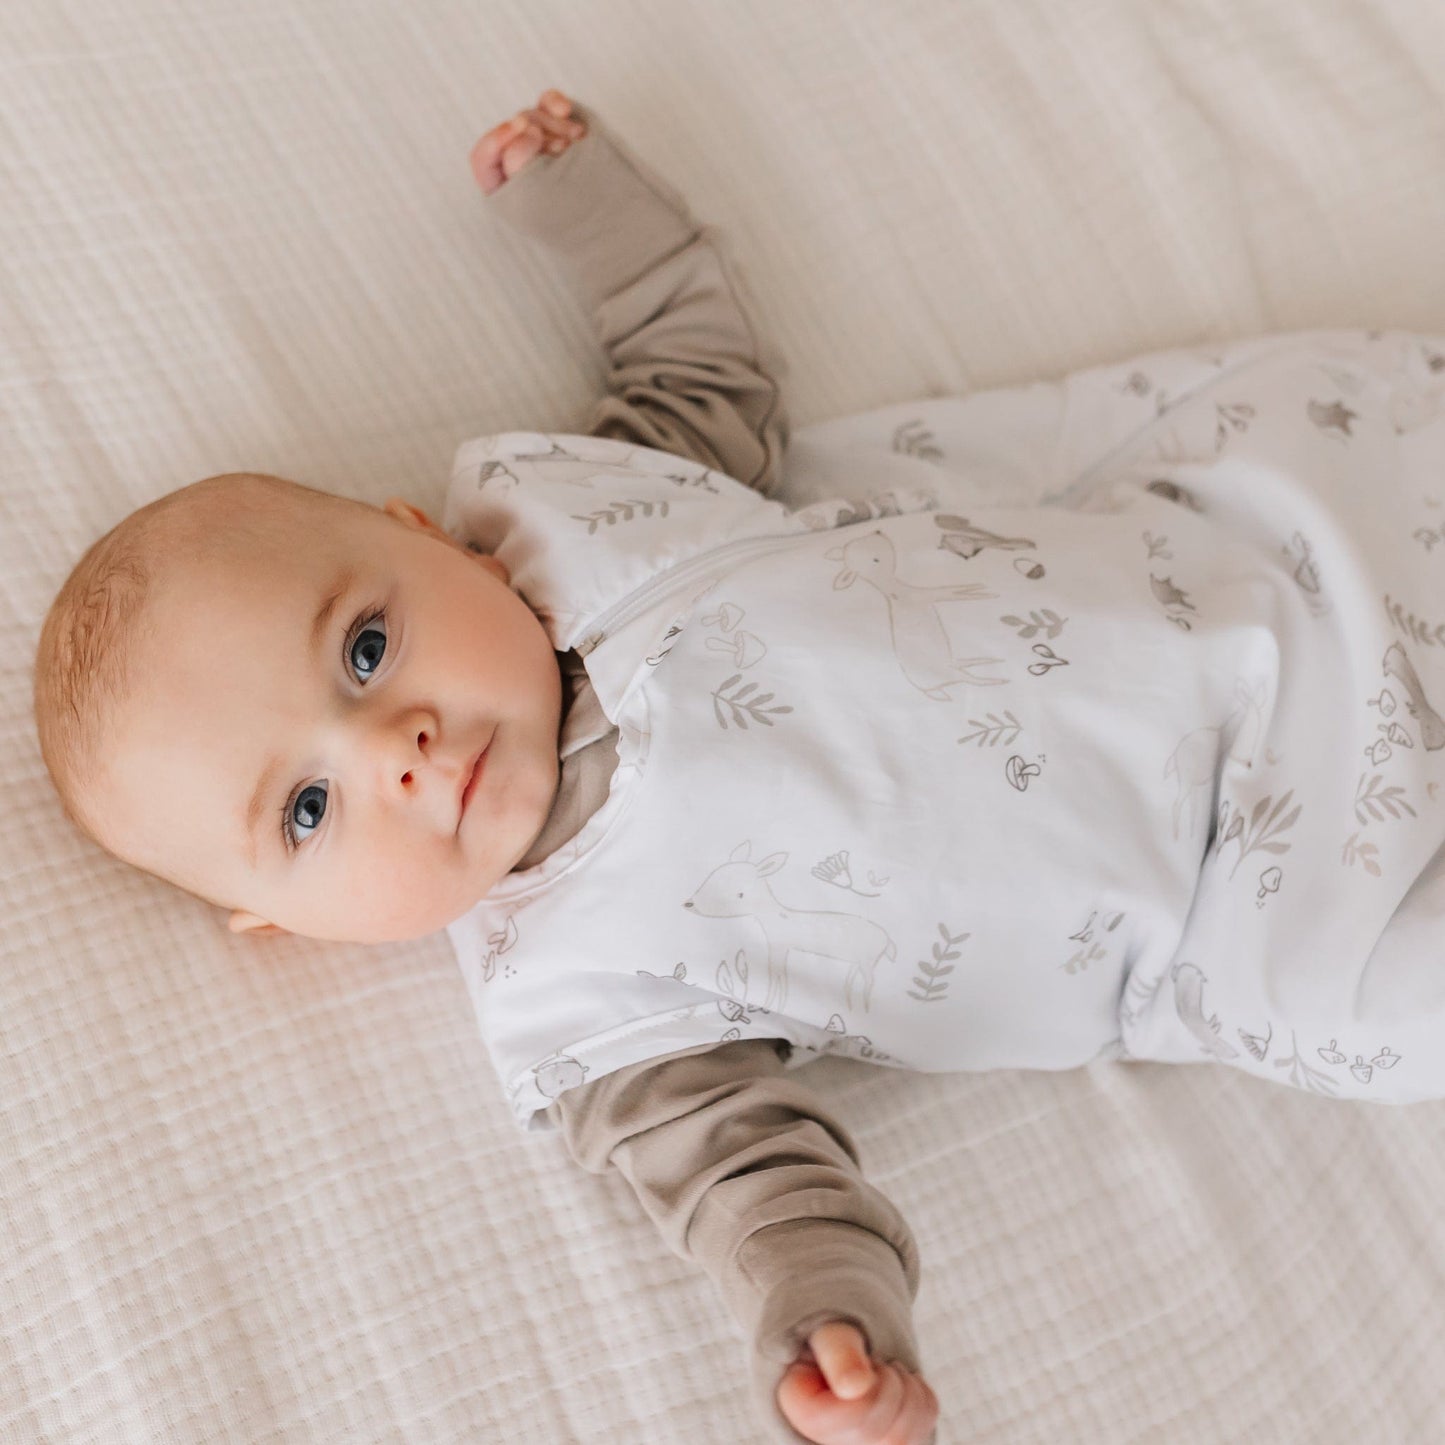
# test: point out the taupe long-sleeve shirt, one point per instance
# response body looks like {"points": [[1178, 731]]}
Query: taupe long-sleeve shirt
{"points": [[740, 1166]]}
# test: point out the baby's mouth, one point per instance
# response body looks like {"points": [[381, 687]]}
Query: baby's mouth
{"points": [[474, 778]]}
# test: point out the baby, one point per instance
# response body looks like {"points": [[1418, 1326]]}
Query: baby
{"points": [[339, 721], [622, 722]]}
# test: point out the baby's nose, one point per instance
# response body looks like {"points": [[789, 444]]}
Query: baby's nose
{"points": [[400, 749], [414, 749]]}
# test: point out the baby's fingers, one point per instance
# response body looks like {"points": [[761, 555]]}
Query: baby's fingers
{"points": [[507, 148], [897, 1411], [503, 151]]}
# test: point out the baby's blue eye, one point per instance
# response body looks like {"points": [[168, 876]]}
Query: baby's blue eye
{"points": [[304, 815], [367, 647]]}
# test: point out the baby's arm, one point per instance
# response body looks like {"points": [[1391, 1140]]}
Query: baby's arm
{"points": [[743, 1170], [690, 370]]}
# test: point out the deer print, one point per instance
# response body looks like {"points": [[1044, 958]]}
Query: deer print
{"points": [[1193, 762], [739, 888], [919, 641]]}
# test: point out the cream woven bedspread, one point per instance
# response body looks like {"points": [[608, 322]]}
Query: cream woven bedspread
{"points": [[263, 1192]]}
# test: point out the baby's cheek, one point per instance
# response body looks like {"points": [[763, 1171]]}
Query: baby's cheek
{"points": [[409, 893]]}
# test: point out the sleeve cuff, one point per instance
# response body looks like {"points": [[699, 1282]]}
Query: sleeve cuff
{"points": [[807, 1272], [598, 207]]}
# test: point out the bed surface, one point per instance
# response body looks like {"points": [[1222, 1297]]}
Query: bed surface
{"points": [[263, 1191]]}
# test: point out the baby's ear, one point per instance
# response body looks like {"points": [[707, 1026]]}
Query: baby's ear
{"points": [[410, 516], [243, 922], [415, 518]]}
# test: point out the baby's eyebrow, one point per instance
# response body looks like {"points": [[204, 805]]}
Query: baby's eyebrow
{"points": [[330, 600], [333, 595]]}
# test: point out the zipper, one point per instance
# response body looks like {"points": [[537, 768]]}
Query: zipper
{"points": [[675, 578]]}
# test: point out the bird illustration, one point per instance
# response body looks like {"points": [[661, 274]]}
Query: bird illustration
{"points": [[1332, 416], [963, 539], [1169, 594]]}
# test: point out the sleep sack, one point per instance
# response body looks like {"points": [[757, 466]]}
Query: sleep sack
{"points": [[1150, 770]]}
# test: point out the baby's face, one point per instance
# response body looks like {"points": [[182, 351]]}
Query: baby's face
{"points": [[305, 722]]}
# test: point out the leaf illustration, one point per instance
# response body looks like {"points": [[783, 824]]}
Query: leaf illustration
{"points": [[1264, 829], [932, 981], [742, 706], [991, 733], [1363, 853], [625, 510], [1374, 798]]}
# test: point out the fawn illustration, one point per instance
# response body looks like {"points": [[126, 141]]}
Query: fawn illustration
{"points": [[1193, 762], [919, 640], [739, 888]]}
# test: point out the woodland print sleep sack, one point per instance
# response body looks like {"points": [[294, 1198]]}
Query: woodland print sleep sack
{"points": [[1150, 770]]}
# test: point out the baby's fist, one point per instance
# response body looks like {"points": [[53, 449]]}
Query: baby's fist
{"points": [[506, 148], [840, 1397]]}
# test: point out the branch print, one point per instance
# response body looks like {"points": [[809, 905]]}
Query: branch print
{"points": [[1262, 832], [625, 510], [934, 982], [741, 705], [995, 731]]}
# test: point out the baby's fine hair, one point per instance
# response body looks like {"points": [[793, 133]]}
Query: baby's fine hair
{"points": [[88, 642]]}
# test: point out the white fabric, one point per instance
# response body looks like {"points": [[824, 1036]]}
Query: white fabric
{"points": [[1228, 583], [270, 1191]]}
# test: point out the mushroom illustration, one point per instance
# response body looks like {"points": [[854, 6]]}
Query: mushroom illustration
{"points": [[745, 647], [1019, 772], [727, 617]]}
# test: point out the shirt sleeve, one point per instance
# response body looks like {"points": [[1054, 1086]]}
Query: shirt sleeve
{"points": [[690, 370], [743, 1170]]}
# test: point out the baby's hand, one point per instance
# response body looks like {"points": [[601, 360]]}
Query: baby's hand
{"points": [[840, 1397], [506, 148]]}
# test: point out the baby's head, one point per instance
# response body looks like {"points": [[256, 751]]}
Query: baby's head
{"points": [[274, 697]]}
